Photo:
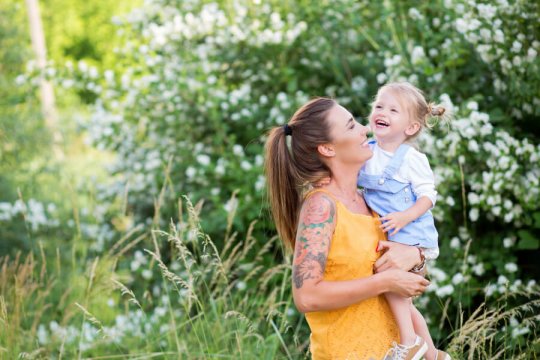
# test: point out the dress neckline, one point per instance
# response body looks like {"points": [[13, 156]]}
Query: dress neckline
{"points": [[339, 202]]}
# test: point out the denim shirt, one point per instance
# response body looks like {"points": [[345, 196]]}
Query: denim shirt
{"points": [[385, 195]]}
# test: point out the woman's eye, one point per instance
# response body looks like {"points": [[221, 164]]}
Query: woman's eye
{"points": [[394, 110], [352, 126]]}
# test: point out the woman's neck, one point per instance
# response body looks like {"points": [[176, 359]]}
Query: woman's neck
{"points": [[343, 182]]}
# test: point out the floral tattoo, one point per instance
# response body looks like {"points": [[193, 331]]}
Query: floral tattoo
{"points": [[315, 231]]}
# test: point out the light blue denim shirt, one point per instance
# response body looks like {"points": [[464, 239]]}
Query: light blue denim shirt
{"points": [[385, 195]]}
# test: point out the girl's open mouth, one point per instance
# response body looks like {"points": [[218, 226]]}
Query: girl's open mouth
{"points": [[381, 123]]}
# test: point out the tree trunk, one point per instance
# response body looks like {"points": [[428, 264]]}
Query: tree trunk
{"points": [[48, 107]]}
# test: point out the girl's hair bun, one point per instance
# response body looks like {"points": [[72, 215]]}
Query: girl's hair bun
{"points": [[436, 110]]}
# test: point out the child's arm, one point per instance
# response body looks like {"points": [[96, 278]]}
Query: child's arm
{"points": [[398, 220]]}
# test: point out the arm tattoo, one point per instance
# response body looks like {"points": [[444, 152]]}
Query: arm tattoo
{"points": [[315, 230]]}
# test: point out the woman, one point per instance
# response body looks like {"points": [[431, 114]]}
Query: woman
{"points": [[338, 277]]}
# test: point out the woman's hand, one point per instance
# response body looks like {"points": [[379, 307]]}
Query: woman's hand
{"points": [[396, 255], [404, 283]]}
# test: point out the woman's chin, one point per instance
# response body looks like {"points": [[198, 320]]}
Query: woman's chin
{"points": [[366, 155]]}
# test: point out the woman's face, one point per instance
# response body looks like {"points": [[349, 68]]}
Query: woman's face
{"points": [[349, 138]]}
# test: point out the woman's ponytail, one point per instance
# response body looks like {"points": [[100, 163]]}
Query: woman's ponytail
{"points": [[289, 171], [283, 190]]}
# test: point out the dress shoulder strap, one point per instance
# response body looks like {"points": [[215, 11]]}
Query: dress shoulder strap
{"points": [[316, 190], [396, 161]]}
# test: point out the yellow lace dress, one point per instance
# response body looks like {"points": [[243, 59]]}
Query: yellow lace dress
{"points": [[364, 330]]}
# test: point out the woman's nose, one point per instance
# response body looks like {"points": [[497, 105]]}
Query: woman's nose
{"points": [[364, 130]]}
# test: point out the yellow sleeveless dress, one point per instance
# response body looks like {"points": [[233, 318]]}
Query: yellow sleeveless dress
{"points": [[364, 330]]}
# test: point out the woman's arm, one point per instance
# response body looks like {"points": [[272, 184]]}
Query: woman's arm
{"points": [[310, 292]]}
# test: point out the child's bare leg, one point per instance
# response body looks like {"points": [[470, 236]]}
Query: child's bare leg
{"points": [[421, 328], [401, 308]]}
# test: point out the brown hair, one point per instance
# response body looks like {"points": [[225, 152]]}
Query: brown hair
{"points": [[419, 109], [289, 171]]}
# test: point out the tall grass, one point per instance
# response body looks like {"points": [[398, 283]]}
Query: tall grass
{"points": [[231, 302], [217, 303]]}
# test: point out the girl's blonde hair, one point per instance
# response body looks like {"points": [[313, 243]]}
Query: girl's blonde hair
{"points": [[426, 114]]}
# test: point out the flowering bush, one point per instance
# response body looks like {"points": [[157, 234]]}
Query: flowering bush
{"points": [[198, 83]]}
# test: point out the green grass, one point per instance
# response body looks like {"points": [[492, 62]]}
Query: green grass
{"points": [[220, 303], [200, 302]]}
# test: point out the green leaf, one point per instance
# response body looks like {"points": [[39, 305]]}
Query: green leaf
{"points": [[536, 217], [527, 241]]}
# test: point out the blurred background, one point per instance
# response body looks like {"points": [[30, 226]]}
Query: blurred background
{"points": [[133, 214]]}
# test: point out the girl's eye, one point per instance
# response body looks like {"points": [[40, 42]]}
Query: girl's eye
{"points": [[394, 110], [378, 106], [352, 126]]}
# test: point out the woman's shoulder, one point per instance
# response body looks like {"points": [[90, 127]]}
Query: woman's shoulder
{"points": [[320, 197], [319, 207]]}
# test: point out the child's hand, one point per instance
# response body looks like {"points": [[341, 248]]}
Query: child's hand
{"points": [[395, 220], [322, 182]]}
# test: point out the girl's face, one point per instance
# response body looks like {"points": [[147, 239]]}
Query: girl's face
{"points": [[349, 138], [389, 119]]}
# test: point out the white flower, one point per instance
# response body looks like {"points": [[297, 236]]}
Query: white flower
{"points": [[457, 279], [473, 198], [231, 205], [516, 46], [415, 14], [490, 289], [511, 267], [461, 26], [358, 84], [455, 243], [190, 172], [478, 269], [508, 242], [472, 105], [238, 150], [245, 165], [42, 335], [531, 54], [437, 274], [502, 280], [147, 274], [417, 54], [488, 11], [135, 265], [381, 78], [498, 36], [445, 290], [474, 214], [241, 285], [203, 159]]}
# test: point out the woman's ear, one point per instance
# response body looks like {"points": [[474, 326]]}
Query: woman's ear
{"points": [[412, 129], [326, 150]]}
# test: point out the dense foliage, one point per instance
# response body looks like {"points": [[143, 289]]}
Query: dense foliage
{"points": [[194, 85]]}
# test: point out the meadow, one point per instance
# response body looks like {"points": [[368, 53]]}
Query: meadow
{"points": [[135, 225]]}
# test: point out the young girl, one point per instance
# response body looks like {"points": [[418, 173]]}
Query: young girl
{"points": [[399, 185]]}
